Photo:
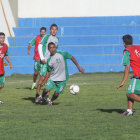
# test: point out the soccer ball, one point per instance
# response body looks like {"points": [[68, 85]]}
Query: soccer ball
{"points": [[74, 89]]}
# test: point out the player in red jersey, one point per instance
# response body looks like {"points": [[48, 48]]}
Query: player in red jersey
{"points": [[131, 59], [3, 53], [36, 42]]}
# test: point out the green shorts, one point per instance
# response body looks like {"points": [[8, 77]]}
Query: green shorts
{"points": [[43, 69], [2, 80], [58, 86], [134, 86], [37, 66]]}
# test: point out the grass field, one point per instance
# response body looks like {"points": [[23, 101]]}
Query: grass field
{"points": [[93, 114]]}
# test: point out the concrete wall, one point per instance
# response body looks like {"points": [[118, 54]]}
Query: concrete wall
{"points": [[14, 8], [7, 21], [77, 8]]}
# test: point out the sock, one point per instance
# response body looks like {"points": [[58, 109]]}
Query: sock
{"points": [[37, 95], [130, 111], [46, 97], [54, 97], [34, 84], [44, 93]]}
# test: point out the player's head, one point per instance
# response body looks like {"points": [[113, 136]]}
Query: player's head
{"points": [[2, 38], [42, 31], [127, 40], [53, 29], [52, 48]]}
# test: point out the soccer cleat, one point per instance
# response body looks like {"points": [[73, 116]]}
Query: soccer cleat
{"points": [[38, 99], [1, 102], [46, 98], [33, 86], [126, 113], [50, 103]]}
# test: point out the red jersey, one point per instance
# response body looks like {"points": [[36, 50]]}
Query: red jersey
{"points": [[38, 39], [3, 52], [134, 59]]}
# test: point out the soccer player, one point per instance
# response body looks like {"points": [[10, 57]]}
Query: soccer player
{"points": [[3, 53], [44, 55], [131, 59], [58, 71], [36, 42]]}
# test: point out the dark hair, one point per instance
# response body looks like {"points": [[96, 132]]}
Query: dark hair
{"points": [[1, 33], [42, 28], [51, 43], [53, 25], [127, 39]]}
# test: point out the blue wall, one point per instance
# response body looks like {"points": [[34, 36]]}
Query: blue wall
{"points": [[96, 42]]}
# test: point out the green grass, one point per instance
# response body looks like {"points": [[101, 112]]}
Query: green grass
{"points": [[92, 114]]}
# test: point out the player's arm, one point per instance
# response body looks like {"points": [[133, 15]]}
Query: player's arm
{"points": [[126, 63], [40, 51], [126, 73], [29, 47], [7, 58], [77, 65], [40, 47], [69, 56], [31, 43]]}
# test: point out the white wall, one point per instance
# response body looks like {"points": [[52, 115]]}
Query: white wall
{"points": [[9, 15], [76, 8], [6, 19], [3, 26], [6, 22]]}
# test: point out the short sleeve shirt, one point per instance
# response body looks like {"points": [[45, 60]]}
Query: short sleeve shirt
{"points": [[57, 64], [126, 58]]}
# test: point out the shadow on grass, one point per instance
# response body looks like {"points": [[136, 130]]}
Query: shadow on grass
{"points": [[111, 110], [25, 88], [32, 99]]}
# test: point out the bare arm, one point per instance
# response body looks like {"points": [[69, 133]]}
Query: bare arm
{"points": [[8, 60], [29, 47], [31, 43], [126, 73], [77, 65]]}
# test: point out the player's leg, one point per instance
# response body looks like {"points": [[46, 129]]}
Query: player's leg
{"points": [[45, 95], [39, 85], [130, 103], [46, 92], [34, 79], [2, 83], [129, 110], [59, 89], [36, 72], [54, 97], [43, 71], [46, 79], [132, 95]]}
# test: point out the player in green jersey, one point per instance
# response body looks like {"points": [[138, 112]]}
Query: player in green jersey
{"points": [[58, 71], [45, 54]]}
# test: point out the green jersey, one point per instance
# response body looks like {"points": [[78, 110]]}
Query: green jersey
{"points": [[45, 41], [126, 58], [33, 41]]}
